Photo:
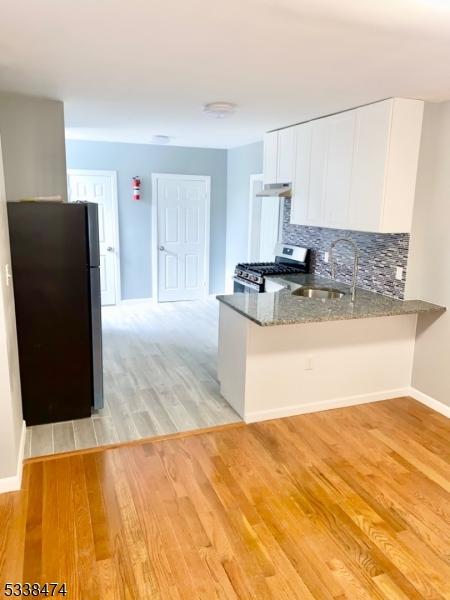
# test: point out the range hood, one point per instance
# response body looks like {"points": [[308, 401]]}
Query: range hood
{"points": [[282, 190]]}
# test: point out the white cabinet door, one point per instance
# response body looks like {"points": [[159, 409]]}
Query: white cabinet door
{"points": [[300, 183], [270, 161], [286, 155], [401, 172], [369, 165], [339, 169], [317, 174]]}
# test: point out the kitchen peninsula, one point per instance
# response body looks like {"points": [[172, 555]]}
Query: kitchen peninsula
{"points": [[283, 353]]}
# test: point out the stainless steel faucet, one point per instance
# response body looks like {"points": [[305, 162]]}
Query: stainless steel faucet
{"points": [[355, 262]]}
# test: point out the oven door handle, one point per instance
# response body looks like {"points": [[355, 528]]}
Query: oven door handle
{"points": [[249, 284]]}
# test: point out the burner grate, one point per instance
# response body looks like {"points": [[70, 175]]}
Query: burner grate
{"points": [[269, 268]]}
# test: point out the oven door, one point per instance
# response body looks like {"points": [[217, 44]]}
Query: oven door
{"points": [[241, 286]]}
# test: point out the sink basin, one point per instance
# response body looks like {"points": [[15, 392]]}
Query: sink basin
{"points": [[318, 293]]}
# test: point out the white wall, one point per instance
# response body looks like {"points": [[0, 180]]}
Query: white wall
{"points": [[11, 423], [34, 156], [429, 258]]}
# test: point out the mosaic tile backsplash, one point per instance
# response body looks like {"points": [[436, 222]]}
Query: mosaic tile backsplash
{"points": [[379, 254]]}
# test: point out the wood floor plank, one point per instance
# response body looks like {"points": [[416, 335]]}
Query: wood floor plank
{"points": [[33, 525], [344, 504]]}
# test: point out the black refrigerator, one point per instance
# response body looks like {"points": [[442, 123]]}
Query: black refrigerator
{"points": [[55, 259]]}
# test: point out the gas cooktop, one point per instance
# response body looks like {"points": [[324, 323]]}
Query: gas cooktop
{"points": [[289, 259], [268, 268]]}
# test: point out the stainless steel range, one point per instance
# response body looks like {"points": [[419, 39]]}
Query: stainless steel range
{"points": [[250, 277]]}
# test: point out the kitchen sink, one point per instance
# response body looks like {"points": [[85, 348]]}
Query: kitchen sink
{"points": [[320, 293]]}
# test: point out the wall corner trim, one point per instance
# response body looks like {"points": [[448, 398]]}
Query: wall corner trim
{"points": [[432, 403], [14, 483]]}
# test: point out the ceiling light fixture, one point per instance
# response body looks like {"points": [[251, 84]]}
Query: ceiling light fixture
{"points": [[219, 110], [161, 140]]}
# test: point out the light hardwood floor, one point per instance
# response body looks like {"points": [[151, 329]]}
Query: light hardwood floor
{"points": [[159, 377], [351, 503]]}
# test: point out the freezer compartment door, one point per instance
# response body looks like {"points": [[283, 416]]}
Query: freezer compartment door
{"points": [[93, 234], [97, 352]]}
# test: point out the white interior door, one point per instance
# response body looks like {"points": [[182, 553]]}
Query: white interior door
{"points": [[182, 236], [100, 187], [264, 223]]}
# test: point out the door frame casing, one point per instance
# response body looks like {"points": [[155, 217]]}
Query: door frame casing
{"points": [[113, 177], [253, 179], [155, 242], [260, 177]]}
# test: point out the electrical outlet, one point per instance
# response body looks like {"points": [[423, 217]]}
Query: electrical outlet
{"points": [[309, 363], [399, 273], [326, 256]]}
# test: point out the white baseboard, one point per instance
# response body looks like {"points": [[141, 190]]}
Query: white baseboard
{"points": [[13, 483], [137, 301], [310, 407], [436, 405]]}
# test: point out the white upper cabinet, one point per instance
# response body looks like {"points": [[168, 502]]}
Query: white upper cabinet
{"points": [[279, 156], [338, 174], [301, 176], [370, 153], [286, 155], [353, 170], [386, 155], [270, 159], [320, 133]]}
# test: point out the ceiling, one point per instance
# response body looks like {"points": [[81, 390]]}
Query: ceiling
{"points": [[130, 69]]}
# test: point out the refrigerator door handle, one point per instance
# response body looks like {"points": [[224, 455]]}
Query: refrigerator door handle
{"points": [[96, 333]]}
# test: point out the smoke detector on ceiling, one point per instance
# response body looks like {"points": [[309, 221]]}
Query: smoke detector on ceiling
{"points": [[161, 140], [219, 110]]}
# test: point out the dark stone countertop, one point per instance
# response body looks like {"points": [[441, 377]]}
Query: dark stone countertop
{"points": [[283, 308]]}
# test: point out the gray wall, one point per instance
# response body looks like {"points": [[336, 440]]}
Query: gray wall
{"points": [[135, 217], [10, 398], [32, 132], [242, 162], [429, 259]]}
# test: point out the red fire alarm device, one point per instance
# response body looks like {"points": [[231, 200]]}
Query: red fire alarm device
{"points": [[136, 188]]}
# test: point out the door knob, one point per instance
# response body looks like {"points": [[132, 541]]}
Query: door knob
{"points": [[162, 248], [110, 249]]}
